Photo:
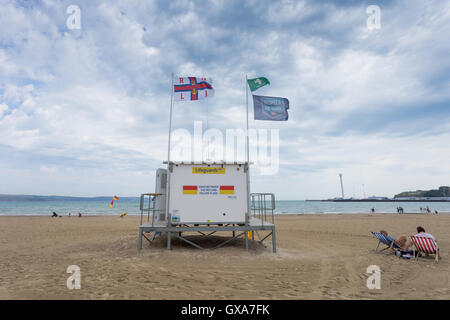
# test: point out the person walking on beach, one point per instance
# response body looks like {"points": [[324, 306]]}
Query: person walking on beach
{"points": [[373, 210], [79, 214]]}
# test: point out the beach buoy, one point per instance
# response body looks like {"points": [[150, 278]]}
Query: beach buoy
{"points": [[123, 215]]}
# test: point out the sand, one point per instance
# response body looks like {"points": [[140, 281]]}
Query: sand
{"points": [[319, 257]]}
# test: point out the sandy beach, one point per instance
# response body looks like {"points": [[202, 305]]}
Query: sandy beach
{"points": [[319, 257]]}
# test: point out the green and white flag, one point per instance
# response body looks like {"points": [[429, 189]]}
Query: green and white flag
{"points": [[257, 83]]}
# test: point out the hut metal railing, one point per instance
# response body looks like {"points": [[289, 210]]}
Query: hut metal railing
{"points": [[147, 206], [262, 206]]}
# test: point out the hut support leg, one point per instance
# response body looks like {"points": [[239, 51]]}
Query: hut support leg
{"points": [[140, 240], [169, 236], [246, 240], [274, 241]]}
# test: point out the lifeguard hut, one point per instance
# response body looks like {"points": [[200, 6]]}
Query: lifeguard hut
{"points": [[206, 197]]}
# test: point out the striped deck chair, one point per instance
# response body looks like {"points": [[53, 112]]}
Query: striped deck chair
{"points": [[426, 245], [388, 241]]}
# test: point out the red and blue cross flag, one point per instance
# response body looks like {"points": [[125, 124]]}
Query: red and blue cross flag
{"points": [[192, 88]]}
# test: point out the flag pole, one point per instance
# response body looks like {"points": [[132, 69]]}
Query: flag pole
{"points": [[248, 159], [170, 121], [207, 126], [246, 101], [168, 155]]}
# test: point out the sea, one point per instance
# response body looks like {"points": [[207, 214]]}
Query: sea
{"points": [[130, 205]]}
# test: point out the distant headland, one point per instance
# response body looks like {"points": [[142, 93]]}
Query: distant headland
{"points": [[25, 197], [442, 194]]}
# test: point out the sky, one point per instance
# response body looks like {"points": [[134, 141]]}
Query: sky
{"points": [[85, 112]]}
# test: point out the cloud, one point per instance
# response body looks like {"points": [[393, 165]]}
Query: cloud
{"points": [[3, 109], [86, 103]]}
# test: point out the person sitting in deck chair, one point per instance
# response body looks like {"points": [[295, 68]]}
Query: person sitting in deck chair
{"points": [[420, 233], [406, 251], [401, 241]]}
